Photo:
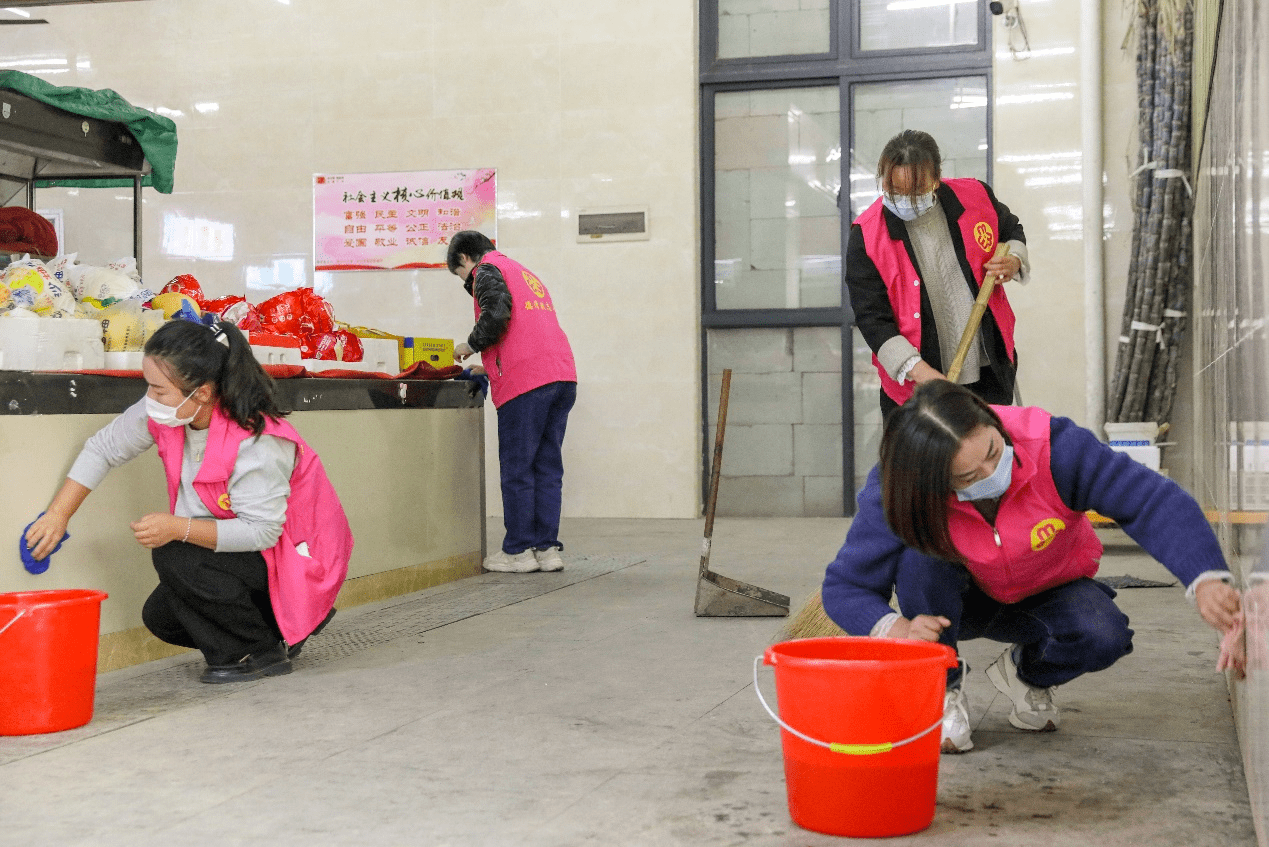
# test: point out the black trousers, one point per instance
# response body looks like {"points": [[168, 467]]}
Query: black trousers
{"points": [[215, 602]]}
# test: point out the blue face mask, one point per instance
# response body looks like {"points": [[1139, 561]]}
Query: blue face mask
{"points": [[991, 487], [909, 209]]}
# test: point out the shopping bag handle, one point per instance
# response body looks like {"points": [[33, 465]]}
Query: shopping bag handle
{"points": [[848, 749]]}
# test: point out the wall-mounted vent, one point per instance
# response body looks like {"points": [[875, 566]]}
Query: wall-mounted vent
{"points": [[628, 224]]}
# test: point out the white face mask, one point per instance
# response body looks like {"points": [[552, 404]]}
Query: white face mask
{"points": [[991, 487], [167, 415], [909, 209]]}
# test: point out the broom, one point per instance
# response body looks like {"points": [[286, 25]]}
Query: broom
{"points": [[811, 621]]}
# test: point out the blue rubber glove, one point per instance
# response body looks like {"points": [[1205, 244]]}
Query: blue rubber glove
{"points": [[31, 564], [479, 379]]}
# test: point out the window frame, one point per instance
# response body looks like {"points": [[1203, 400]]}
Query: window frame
{"points": [[843, 68]]}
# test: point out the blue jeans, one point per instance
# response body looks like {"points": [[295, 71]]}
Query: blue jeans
{"points": [[1065, 631], [530, 436]]}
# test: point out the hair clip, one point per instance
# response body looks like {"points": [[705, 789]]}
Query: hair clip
{"points": [[218, 332]]}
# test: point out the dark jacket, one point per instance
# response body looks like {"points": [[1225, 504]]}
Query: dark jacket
{"points": [[1155, 512], [494, 299], [870, 301]]}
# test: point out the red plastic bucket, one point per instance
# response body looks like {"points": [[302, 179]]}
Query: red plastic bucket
{"points": [[48, 659], [878, 704]]}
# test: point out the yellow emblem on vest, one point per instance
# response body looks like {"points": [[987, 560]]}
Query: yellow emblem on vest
{"points": [[1043, 533], [985, 236], [223, 501], [534, 285]]}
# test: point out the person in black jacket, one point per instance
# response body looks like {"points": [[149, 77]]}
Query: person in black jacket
{"points": [[533, 385], [914, 263]]}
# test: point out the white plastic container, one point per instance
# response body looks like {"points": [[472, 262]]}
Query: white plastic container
{"points": [[1148, 455], [379, 355], [31, 343], [276, 355], [1132, 433], [128, 360]]}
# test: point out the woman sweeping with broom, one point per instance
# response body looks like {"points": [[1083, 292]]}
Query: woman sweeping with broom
{"points": [[974, 519]]}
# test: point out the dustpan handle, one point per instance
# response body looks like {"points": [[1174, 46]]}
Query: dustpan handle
{"points": [[12, 622], [849, 749]]}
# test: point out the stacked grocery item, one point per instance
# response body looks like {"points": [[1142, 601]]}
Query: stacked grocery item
{"points": [[62, 315], [294, 328]]}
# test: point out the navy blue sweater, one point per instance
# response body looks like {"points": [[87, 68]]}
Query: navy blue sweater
{"points": [[1155, 512]]}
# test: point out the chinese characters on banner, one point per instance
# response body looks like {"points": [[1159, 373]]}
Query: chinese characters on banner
{"points": [[397, 220]]}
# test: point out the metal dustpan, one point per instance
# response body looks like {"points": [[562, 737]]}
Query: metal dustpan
{"points": [[719, 596]]}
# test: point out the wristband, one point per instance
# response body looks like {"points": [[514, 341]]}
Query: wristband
{"points": [[188, 525]]}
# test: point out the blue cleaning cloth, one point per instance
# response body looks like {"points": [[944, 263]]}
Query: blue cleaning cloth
{"points": [[479, 379], [30, 563]]}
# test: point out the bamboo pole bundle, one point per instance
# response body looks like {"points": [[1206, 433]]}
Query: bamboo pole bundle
{"points": [[1159, 279]]}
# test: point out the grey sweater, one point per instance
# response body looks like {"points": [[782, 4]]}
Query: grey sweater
{"points": [[258, 487]]}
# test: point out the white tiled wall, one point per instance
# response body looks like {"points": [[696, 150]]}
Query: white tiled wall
{"points": [[782, 451], [577, 105]]}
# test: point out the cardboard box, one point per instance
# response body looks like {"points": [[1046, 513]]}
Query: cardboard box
{"points": [[437, 352]]}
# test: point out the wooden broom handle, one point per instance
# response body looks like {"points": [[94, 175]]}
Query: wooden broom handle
{"points": [[711, 503], [975, 317]]}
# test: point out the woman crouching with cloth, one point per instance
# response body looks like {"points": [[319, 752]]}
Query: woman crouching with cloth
{"points": [[256, 546], [974, 518]]}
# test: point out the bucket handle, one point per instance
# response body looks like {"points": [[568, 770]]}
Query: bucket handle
{"points": [[848, 749], [12, 622]]}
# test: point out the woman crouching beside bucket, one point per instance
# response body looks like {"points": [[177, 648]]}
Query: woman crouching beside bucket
{"points": [[256, 544], [975, 519]]}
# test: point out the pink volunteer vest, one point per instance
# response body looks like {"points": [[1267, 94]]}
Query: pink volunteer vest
{"points": [[1043, 542], [979, 227], [302, 589], [534, 351]]}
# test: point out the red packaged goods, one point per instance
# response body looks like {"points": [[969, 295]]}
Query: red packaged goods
{"points": [[353, 351], [308, 346], [339, 345], [317, 316], [281, 314], [243, 315], [185, 284], [220, 304], [269, 339]]}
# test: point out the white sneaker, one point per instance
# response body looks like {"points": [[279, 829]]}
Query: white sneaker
{"points": [[524, 562], [956, 721], [1033, 708], [549, 559]]}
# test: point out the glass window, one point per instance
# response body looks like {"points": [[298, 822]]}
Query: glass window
{"points": [[952, 109], [917, 24], [748, 28], [777, 173], [782, 451]]}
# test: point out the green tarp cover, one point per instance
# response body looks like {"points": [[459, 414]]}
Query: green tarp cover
{"points": [[155, 133]]}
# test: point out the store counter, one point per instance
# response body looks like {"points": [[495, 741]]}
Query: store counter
{"points": [[405, 456]]}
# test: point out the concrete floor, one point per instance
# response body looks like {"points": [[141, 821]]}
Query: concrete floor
{"points": [[591, 707]]}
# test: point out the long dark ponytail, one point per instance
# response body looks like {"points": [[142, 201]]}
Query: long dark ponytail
{"points": [[218, 353]]}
